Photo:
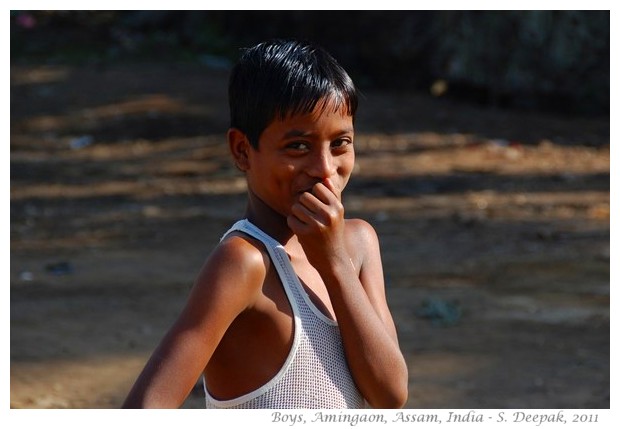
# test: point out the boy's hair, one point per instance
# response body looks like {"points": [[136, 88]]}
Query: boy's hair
{"points": [[285, 77]]}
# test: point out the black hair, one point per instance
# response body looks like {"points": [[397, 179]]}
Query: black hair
{"points": [[278, 78]]}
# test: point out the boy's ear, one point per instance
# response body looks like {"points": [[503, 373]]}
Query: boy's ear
{"points": [[239, 148]]}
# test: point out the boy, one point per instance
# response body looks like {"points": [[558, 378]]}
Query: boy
{"points": [[289, 311]]}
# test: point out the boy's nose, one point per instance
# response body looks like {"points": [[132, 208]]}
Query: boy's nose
{"points": [[322, 165]]}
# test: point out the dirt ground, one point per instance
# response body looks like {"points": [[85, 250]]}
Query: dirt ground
{"points": [[494, 227]]}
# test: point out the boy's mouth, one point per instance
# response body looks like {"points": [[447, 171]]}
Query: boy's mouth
{"points": [[303, 191], [308, 189]]}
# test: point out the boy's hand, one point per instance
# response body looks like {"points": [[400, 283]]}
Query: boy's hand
{"points": [[318, 221]]}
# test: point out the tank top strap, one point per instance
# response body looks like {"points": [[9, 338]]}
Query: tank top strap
{"points": [[280, 260]]}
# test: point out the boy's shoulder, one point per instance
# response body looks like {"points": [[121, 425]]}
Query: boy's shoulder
{"points": [[238, 263], [362, 239], [241, 250], [360, 230]]}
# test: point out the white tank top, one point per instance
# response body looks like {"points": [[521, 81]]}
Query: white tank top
{"points": [[315, 373]]}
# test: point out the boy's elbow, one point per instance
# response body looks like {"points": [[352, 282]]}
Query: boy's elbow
{"points": [[400, 389], [394, 396], [390, 400], [403, 396], [398, 397]]}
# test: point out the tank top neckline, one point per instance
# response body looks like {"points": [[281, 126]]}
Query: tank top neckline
{"points": [[296, 281]]}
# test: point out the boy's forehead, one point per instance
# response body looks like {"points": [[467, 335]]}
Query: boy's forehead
{"points": [[332, 107], [318, 117], [307, 124]]}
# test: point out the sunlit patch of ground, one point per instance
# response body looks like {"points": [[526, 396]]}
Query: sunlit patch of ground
{"points": [[494, 228]]}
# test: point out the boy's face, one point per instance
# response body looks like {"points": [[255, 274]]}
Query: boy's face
{"points": [[296, 153]]}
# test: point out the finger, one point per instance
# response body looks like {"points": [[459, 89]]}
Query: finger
{"points": [[324, 193], [304, 214], [295, 223], [312, 202], [330, 185]]}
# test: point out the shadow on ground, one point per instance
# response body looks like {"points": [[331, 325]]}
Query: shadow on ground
{"points": [[494, 227]]}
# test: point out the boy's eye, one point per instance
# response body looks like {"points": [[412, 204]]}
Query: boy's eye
{"points": [[304, 146], [340, 143], [298, 145]]}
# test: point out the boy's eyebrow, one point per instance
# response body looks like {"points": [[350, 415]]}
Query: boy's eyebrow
{"points": [[302, 133], [296, 133]]}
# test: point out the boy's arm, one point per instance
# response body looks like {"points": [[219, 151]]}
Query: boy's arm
{"points": [[227, 284], [366, 325]]}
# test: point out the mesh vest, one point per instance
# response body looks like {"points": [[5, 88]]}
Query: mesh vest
{"points": [[315, 373]]}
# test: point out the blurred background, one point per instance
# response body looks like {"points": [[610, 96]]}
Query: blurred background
{"points": [[552, 60], [482, 145]]}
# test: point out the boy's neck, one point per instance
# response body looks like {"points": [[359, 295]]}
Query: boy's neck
{"points": [[268, 220]]}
